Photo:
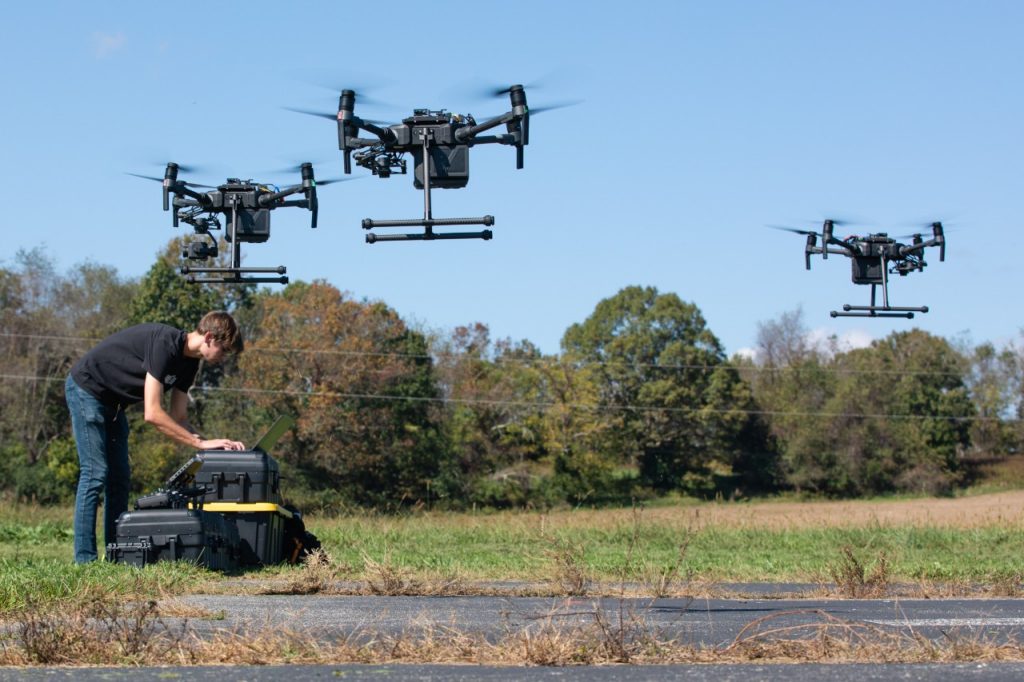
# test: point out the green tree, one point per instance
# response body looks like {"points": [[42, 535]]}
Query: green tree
{"points": [[494, 414], [165, 296], [993, 381], [897, 419], [666, 398]]}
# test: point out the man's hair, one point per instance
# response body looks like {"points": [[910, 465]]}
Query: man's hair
{"points": [[224, 329]]}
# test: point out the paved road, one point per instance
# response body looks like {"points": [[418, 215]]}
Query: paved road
{"points": [[703, 622]]}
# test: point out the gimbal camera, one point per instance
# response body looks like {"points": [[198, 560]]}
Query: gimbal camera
{"points": [[246, 207], [872, 259]]}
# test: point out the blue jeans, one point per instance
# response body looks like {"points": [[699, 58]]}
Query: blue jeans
{"points": [[101, 435]]}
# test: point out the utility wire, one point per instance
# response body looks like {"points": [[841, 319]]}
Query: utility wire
{"points": [[550, 360], [549, 405]]}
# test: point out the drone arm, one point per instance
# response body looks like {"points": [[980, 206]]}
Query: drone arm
{"points": [[845, 251], [273, 197], [180, 189], [495, 139], [466, 134], [939, 241], [386, 135], [360, 142]]}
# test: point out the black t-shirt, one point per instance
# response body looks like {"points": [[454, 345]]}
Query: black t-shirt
{"points": [[115, 370]]}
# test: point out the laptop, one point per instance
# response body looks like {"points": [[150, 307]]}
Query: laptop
{"points": [[273, 434], [186, 474]]}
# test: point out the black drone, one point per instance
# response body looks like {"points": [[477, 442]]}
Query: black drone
{"points": [[873, 258], [439, 142], [246, 206]]}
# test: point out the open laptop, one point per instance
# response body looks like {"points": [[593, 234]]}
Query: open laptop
{"points": [[186, 474], [274, 433]]}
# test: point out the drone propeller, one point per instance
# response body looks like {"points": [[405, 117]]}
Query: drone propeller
{"points": [[156, 179], [334, 116], [297, 168], [308, 112], [331, 181], [551, 107], [838, 222], [792, 229]]}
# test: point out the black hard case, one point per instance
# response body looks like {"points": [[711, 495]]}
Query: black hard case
{"points": [[150, 535], [239, 476], [261, 532]]}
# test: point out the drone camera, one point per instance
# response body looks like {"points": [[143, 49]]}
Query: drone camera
{"points": [[200, 251]]}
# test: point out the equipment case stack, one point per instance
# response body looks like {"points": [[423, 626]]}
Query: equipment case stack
{"points": [[242, 489], [145, 536]]}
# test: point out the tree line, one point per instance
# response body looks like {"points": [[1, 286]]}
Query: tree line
{"points": [[641, 402]]}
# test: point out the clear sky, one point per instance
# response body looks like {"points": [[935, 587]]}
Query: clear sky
{"points": [[699, 124]]}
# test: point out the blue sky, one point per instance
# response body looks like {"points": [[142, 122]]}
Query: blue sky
{"points": [[699, 124]]}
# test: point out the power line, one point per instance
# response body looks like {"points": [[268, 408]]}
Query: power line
{"points": [[549, 405], [552, 360]]}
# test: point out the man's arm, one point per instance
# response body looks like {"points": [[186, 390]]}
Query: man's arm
{"points": [[175, 424]]}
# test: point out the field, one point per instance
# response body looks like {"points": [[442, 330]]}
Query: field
{"points": [[59, 613], [970, 543]]}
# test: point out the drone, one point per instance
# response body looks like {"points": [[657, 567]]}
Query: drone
{"points": [[873, 258], [245, 206], [439, 142]]}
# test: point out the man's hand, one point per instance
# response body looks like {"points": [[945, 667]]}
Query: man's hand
{"points": [[221, 444]]}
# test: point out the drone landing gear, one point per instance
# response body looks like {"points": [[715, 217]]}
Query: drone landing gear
{"points": [[884, 310], [428, 222], [234, 274]]}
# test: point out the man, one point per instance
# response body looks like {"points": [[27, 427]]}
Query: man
{"points": [[137, 364]]}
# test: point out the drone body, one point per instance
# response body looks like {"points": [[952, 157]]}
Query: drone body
{"points": [[245, 206], [872, 259]]}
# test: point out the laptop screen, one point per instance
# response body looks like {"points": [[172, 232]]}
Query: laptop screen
{"points": [[274, 433]]}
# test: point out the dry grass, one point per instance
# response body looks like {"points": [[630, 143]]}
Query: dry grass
{"points": [[570, 576], [136, 634], [963, 512]]}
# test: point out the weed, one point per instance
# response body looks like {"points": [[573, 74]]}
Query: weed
{"points": [[384, 577], [94, 632], [571, 576], [853, 578]]}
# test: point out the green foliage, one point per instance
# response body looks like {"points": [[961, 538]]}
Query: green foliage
{"points": [[894, 417], [26, 480], [641, 402], [62, 462], [153, 457], [665, 399], [164, 296]]}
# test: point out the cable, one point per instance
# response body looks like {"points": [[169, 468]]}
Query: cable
{"points": [[549, 360], [548, 405]]}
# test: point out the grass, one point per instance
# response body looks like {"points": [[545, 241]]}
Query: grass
{"points": [[101, 632], [55, 612], [962, 541]]}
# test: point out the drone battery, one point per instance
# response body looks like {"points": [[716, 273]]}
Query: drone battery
{"points": [[253, 226], [449, 166], [867, 270], [150, 535], [260, 530], [239, 476]]}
